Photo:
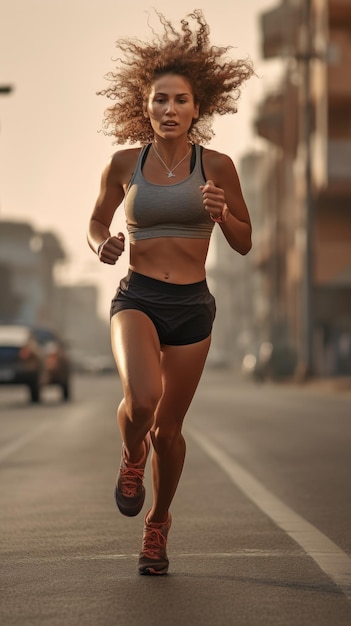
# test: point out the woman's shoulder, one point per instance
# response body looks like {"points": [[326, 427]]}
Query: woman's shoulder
{"points": [[122, 164], [214, 161], [124, 157]]}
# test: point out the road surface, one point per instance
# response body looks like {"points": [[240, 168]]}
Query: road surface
{"points": [[261, 531]]}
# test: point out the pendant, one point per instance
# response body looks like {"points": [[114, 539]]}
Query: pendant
{"points": [[170, 175]]}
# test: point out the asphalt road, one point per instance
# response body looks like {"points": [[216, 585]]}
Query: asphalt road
{"points": [[261, 531]]}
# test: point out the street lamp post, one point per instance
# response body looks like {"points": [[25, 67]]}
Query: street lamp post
{"points": [[309, 197], [6, 89], [306, 57]]}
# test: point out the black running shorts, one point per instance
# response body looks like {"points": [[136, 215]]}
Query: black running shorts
{"points": [[182, 314]]}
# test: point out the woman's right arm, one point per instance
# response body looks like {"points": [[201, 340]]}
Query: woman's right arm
{"points": [[110, 197]]}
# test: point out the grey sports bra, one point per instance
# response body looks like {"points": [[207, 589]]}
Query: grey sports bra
{"points": [[175, 210]]}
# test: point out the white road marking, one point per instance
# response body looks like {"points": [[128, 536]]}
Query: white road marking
{"points": [[238, 554], [330, 558], [19, 443], [76, 413]]}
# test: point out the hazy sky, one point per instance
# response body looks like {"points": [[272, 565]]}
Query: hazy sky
{"points": [[55, 54]]}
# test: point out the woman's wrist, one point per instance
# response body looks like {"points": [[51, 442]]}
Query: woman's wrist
{"points": [[220, 219], [100, 246]]}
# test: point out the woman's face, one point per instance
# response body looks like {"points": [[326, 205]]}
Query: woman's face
{"points": [[170, 106]]}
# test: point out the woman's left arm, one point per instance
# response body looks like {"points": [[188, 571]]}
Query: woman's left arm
{"points": [[222, 190]]}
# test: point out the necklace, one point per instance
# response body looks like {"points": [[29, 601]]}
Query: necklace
{"points": [[170, 172]]}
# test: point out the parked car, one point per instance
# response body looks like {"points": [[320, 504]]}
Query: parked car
{"points": [[21, 359], [57, 360]]}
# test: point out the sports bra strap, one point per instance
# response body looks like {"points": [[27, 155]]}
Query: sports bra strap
{"points": [[192, 159]]}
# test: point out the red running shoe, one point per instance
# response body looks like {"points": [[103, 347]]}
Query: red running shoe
{"points": [[153, 556], [130, 491]]}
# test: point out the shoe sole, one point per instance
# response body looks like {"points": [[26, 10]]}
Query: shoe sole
{"points": [[130, 512], [150, 571]]}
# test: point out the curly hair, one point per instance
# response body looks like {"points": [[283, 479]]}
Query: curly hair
{"points": [[215, 79]]}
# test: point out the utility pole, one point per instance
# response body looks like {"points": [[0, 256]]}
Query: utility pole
{"points": [[309, 197], [306, 56]]}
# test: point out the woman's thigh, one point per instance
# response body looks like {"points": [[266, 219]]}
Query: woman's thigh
{"points": [[136, 349]]}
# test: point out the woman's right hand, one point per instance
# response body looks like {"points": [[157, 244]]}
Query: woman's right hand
{"points": [[111, 249]]}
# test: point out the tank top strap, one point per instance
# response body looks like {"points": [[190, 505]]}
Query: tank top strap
{"points": [[195, 162], [139, 164], [142, 156]]}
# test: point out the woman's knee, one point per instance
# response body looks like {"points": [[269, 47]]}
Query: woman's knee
{"points": [[141, 407], [166, 440]]}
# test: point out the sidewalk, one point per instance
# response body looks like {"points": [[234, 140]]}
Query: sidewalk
{"points": [[231, 375], [337, 383]]}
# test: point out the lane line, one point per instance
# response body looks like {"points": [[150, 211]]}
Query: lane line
{"points": [[75, 415], [239, 554], [19, 443], [329, 557]]}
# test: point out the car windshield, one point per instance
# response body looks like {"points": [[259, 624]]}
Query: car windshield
{"points": [[44, 335], [8, 352]]}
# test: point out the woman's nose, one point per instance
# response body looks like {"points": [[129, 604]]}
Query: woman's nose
{"points": [[170, 106]]}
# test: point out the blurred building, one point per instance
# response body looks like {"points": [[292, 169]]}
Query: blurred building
{"points": [[27, 262], [293, 291], [31, 295], [302, 249]]}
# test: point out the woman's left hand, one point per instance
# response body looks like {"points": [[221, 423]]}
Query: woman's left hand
{"points": [[213, 199]]}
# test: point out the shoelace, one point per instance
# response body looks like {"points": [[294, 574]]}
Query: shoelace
{"points": [[131, 479], [154, 543]]}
